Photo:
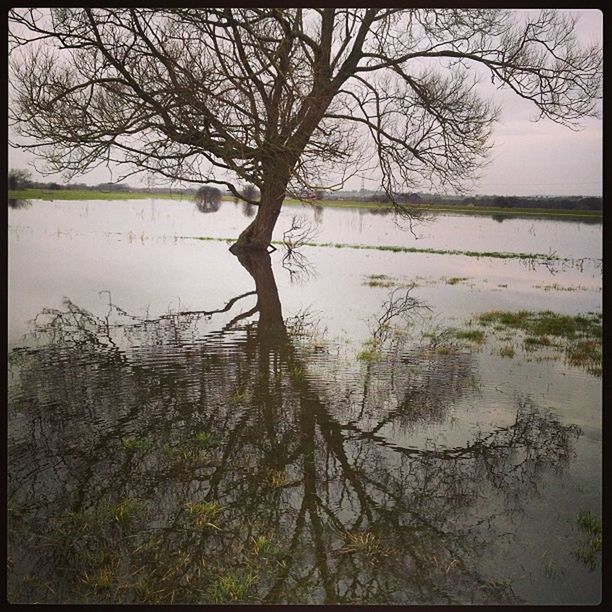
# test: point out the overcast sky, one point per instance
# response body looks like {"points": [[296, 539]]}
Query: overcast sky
{"points": [[529, 158], [545, 158]]}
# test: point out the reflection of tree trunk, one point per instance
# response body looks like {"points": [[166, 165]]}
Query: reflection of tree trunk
{"points": [[271, 326], [308, 427]]}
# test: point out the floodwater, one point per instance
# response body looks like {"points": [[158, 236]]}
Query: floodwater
{"points": [[188, 427]]}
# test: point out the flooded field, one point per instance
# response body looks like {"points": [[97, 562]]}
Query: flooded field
{"points": [[347, 425]]}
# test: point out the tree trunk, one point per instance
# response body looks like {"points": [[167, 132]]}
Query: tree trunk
{"points": [[277, 170], [258, 235]]}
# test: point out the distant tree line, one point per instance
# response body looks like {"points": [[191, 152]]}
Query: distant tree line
{"points": [[556, 202], [487, 201], [21, 179]]}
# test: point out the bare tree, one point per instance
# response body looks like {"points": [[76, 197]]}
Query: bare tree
{"points": [[19, 179], [299, 234], [280, 97]]}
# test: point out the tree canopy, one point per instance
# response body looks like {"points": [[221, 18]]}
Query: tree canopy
{"points": [[287, 99]]}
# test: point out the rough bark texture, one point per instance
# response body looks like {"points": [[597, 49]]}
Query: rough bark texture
{"points": [[258, 235]]}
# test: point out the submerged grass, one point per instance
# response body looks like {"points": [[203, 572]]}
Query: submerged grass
{"points": [[203, 437], [578, 336], [590, 550], [529, 257], [533, 342], [506, 351], [123, 512], [455, 280], [370, 352], [202, 514], [264, 547], [546, 323], [233, 587], [135, 444], [379, 280], [557, 287], [587, 354], [474, 335], [364, 543], [431, 251]]}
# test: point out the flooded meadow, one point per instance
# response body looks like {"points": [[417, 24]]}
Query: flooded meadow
{"points": [[368, 414]]}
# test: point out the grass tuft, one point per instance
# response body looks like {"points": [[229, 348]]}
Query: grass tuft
{"points": [[232, 587], [590, 550], [455, 280], [202, 514], [364, 543], [379, 280], [474, 335]]}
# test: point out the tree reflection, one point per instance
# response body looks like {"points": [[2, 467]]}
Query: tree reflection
{"points": [[17, 203], [147, 463], [248, 209], [208, 199]]}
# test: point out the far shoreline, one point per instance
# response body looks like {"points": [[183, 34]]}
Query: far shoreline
{"points": [[86, 194]]}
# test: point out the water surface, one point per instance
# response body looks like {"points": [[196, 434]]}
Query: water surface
{"points": [[188, 427]]}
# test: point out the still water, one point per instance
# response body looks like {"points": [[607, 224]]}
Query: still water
{"points": [[190, 427]]}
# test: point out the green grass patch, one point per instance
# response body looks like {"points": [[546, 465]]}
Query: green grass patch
{"points": [[590, 550], [460, 210], [86, 194], [474, 335], [579, 336], [203, 514]]}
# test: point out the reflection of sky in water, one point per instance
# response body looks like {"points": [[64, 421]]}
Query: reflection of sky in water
{"points": [[181, 218], [67, 250]]}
